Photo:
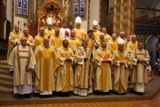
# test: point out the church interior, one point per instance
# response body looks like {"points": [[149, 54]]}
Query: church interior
{"points": [[139, 17]]}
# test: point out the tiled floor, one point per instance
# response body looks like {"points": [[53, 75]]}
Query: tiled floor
{"points": [[155, 102]]}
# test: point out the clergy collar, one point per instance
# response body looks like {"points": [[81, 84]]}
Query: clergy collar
{"points": [[46, 46], [114, 40], [73, 38], [26, 35], [23, 46], [65, 48], [85, 49], [41, 35], [140, 50], [120, 51], [49, 29], [133, 42], [16, 32], [103, 48], [57, 35]]}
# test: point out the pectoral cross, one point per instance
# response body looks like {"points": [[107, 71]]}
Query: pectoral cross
{"points": [[65, 6]]}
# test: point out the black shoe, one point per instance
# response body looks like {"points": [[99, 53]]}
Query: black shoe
{"points": [[49, 96], [67, 94], [20, 96], [62, 94], [27, 96], [138, 93], [42, 96], [123, 93], [97, 93], [117, 93], [107, 93], [11, 72], [36, 94]]}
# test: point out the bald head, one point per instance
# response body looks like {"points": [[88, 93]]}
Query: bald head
{"points": [[16, 28], [122, 34], [104, 30], [57, 30], [26, 31], [101, 36], [41, 30], [134, 38], [46, 41], [73, 33], [23, 41], [114, 36]]}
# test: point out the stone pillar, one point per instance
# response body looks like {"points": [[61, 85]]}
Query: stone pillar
{"points": [[124, 16]]}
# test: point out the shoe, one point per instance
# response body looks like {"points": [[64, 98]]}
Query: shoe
{"points": [[123, 93], [42, 96], [139, 93], [27, 96], [20, 96], [49, 96], [11, 72], [107, 93], [67, 94], [36, 94]]}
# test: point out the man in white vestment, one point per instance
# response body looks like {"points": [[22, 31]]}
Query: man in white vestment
{"points": [[64, 31], [141, 60], [23, 61]]}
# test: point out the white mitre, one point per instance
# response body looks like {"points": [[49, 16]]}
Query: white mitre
{"points": [[120, 41], [78, 20], [49, 21], [95, 22]]}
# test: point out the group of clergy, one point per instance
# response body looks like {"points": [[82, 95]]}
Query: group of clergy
{"points": [[70, 61]]}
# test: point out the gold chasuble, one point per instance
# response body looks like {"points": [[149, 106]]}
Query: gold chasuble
{"points": [[107, 37], [74, 43], [56, 41], [121, 70], [13, 39], [65, 71], [49, 33], [132, 46], [22, 58], [91, 44], [113, 46], [103, 70], [45, 67], [38, 40], [79, 33], [96, 34], [29, 39]]}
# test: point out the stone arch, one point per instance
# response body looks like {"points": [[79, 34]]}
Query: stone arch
{"points": [[151, 45]]}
